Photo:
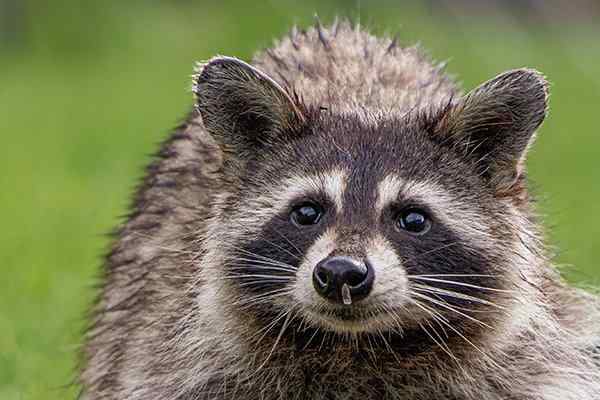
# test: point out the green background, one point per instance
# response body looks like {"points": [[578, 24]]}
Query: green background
{"points": [[88, 89]]}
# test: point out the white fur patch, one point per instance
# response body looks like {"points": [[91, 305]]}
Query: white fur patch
{"points": [[304, 292], [269, 203], [390, 276], [332, 183], [388, 191]]}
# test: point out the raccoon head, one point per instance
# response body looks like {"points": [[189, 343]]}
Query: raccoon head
{"points": [[368, 222]]}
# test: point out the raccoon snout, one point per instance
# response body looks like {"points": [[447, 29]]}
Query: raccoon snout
{"points": [[343, 279]]}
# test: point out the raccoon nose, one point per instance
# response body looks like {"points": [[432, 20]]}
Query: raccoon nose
{"points": [[343, 279]]}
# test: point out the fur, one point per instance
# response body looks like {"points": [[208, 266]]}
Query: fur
{"points": [[207, 294]]}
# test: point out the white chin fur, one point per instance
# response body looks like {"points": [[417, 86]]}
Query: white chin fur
{"points": [[374, 324]]}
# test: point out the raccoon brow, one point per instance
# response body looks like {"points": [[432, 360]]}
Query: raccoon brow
{"points": [[437, 201], [326, 186]]}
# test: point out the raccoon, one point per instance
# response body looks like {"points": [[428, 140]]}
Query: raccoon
{"points": [[337, 220]]}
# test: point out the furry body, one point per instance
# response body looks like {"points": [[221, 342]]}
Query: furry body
{"points": [[356, 123]]}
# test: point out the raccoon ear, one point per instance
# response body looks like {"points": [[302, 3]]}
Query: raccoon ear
{"points": [[496, 123], [241, 105]]}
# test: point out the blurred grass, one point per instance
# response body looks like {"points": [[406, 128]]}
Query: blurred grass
{"points": [[99, 84]]}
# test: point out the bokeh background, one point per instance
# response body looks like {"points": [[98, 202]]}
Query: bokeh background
{"points": [[88, 89]]}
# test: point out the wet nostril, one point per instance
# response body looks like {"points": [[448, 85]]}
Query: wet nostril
{"points": [[323, 278], [355, 278]]}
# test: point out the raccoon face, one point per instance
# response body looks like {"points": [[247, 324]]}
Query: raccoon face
{"points": [[368, 223]]}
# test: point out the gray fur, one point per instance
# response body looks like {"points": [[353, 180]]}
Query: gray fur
{"points": [[172, 321]]}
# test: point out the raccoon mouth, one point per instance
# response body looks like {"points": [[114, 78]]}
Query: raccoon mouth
{"points": [[345, 315], [348, 320]]}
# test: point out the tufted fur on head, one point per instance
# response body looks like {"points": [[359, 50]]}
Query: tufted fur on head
{"points": [[209, 291]]}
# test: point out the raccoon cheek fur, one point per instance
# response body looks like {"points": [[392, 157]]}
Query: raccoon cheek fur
{"points": [[337, 220]]}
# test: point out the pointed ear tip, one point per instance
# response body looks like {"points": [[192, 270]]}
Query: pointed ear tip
{"points": [[534, 77], [204, 70], [541, 83], [537, 75], [203, 67]]}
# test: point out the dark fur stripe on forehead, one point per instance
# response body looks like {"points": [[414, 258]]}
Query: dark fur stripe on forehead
{"points": [[363, 140]]}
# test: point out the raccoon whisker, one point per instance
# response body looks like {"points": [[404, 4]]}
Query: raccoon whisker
{"points": [[387, 345], [264, 296], [262, 261], [440, 343], [371, 353], [442, 247], [380, 333], [434, 314], [261, 302], [492, 361], [289, 241], [300, 327], [323, 340], [395, 318], [441, 297], [281, 332], [247, 305], [436, 317], [311, 338], [275, 274], [265, 330], [444, 321], [441, 327], [266, 302], [469, 285], [249, 263], [244, 267], [243, 276], [455, 275], [252, 283], [355, 342], [282, 248], [457, 295], [252, 254], [257, 258], [259, 271], [445, 305]]}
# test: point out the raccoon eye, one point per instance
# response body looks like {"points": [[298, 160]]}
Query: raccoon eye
{"points": [[306, 214], [414, 221]]}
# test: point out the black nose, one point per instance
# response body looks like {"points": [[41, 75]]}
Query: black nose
{"points": [[342, 279]]}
